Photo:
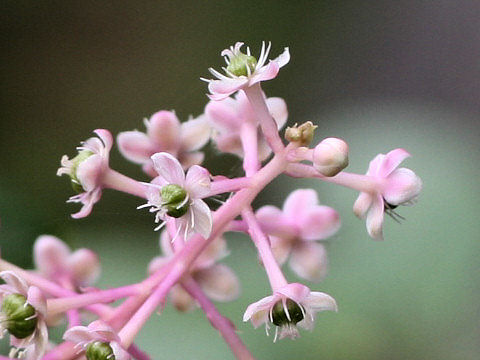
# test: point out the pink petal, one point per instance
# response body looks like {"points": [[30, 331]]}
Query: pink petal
{"points": [[89, 172], [220, 89], [181, 299], [169, 168], [37, 300], [318, 301], [192, 158], [88, 200], [259, 306], [270, 218], [281, 248], [283, 58], [402, 186], [318, 223], [84, 266], [375, 218], [163, 129], [278, 109], [267, 72], [106, 138], [219, 282], [298, 203], [50, 254], [135, 146], [362, 204], [216, 250], [295, 291], [264, 149], [197, 182], [309, 261], [230, 143], [79, 334], [156, 264], [15, 282], [104, 331], [202, 217], [223, 115], [195, 133], [375, 165], [166, 242], [391, 161]]}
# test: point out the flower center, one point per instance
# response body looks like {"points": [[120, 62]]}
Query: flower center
{"points": [[99, 351], [19, 316], [77, 160], [174, 200], [294, 313], [241, 63]]}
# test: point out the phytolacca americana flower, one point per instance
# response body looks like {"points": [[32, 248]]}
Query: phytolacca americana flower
{"points": [[172, 194], [228, 115], [244, 70], [295, 228], [86, 170], [23, 312], [98, 340], [54, 260], [290, 306], [217, 281], [395, 186], [165, 133]]}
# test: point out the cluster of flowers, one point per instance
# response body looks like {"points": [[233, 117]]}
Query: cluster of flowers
{"points": [[192, 240]]}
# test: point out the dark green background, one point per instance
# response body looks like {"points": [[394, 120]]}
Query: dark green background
{"points": [[380, 74]]}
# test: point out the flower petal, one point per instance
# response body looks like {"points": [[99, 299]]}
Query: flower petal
{"points": [[197, 182], [181, 299], [267, 72], [118, 352], [15, 282], [163, 128], [50, 254], [375, 218], [278, 109], [169, 168], [319, 222], [362, 204], [79, 334], [90, 171], [283, 58], [220, 89], [318, 301], [202, 217], [135, 146], [309, 261], [84, 266], [270, 218], [391, 161], [402, 186], [298, 203], [219, 282], [295, 291], [259, 307], [195, 133], [223, 115]]}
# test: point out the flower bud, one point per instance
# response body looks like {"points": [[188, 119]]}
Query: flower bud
{"points": [[302, 134], [19, 316], [239, 64], [98, 350], [173, 199], [330, 156], [280, 316]]}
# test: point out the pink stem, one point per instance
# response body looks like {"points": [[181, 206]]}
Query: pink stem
{"points": [[228, 185], [249, 136], [274, 273], [114, 180], [238, 226], [267, 123], [219, 322], [64, 351], [56, 306]]}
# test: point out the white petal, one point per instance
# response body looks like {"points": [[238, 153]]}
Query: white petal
{"points": [[169, 168], [362, 204], [283, 58], [402, 186], [202, 217], [259, 306], [15, 282], [309, 261], [197, 182], [195, 133], [375, 218], [135, 146], [219, 282], [278, 109], [318, 301]]}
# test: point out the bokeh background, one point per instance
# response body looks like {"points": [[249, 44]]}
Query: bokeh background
{"points": [[380, 74]]}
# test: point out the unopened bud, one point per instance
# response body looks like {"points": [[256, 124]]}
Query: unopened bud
{"points": [[330, 156], [302, 134], [99, 351], [18, 316], [242, 64], [174, 200]]}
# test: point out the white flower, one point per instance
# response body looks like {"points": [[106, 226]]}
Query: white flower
{"points": [[292, 305], [172, 194]]}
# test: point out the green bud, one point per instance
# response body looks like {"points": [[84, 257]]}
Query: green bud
{"points": [[239, 63], [77, 160], [99, 351], [173, 196], [279, 317], [19, 316]]}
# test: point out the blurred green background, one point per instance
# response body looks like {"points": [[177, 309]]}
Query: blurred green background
{"points": [[379, 74]]}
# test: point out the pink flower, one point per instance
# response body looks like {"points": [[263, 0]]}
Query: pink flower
{"points": [[166, 134], [23, 313], [396, 186], [97, 338], [86, 170], [289, 306], [54, 260], [172, 194], [218, 281], [243, 70], [228, 115], [295, 228]]}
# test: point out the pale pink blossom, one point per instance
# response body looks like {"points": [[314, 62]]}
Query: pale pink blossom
{"points": [[55, 261], [295, 229], [96, 332], [255, 71], [194, 215], [217, 281], [330, 156], [165, 133], [86, 170], [395, 186], [33, 346], [228, 115], [290, 306]]}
